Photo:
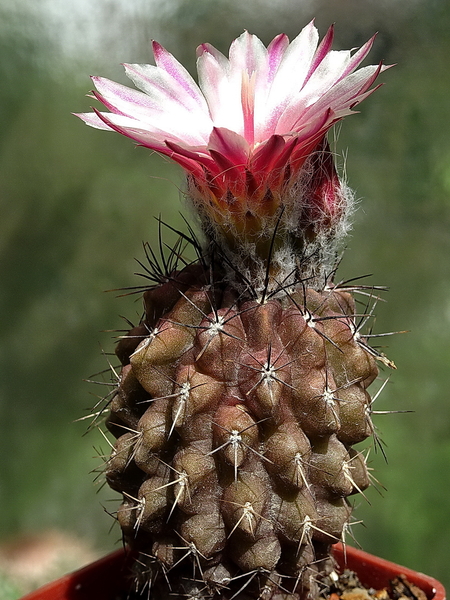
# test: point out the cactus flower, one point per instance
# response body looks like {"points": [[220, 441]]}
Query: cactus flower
{"points": [[251, 135]]}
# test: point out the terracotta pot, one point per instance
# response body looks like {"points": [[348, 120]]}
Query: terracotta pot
{"points": [[102, 580]]}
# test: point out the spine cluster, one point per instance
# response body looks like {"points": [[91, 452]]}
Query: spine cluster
{"points": [[235, 422]]}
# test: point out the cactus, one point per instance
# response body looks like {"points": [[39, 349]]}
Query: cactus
{"points": [[244, 388]]}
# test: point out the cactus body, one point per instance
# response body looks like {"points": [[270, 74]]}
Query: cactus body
{"points": [[235, 421]]}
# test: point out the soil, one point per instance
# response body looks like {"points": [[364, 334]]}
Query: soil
{"points": [[347, 586]]}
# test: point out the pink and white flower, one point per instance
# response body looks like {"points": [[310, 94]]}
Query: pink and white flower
{"points": [[246, 130]]}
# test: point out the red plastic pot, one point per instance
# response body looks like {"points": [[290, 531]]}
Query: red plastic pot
{"points": [[102, 580]]}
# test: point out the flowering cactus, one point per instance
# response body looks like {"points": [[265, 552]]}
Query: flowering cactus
{"points": [[244, 388]]}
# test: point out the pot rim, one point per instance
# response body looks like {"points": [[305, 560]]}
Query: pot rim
{"points": [[102, 579]]}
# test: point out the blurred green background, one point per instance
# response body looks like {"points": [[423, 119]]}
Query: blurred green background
{"points": [[76, 205]]}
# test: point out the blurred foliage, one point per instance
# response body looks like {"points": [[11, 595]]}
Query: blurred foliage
{"points": [[8, 591], [76, 205]]}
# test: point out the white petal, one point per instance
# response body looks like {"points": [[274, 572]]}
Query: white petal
{"points": [[291, 73], [295, 66], [149, 133], [166, 61], [249, 60], [176, 111], [327, 73], [93, 120], [126, 100], [343, 93], [319, 83], [222, 93], [337, 98], [212, 68], [248, 54]]}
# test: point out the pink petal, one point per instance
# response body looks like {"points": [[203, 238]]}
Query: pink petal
{"points": [[136, 130], [282, 162], [199, 155], [188, 165], [266, 154], [380, 69], [282, 159], [248, 106], [324, 198], [302, 151], [321, 52], [210, 49], [229, 144], [231, 176], [150, 139], [357, 100], [309, 136], [165, 60], [153, 139], [327, 74], [275, 51], [359, 56], [263, 161], [93, 120]]}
